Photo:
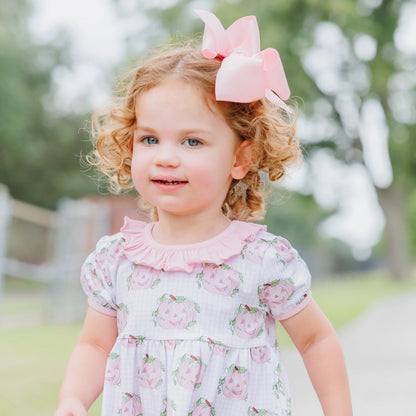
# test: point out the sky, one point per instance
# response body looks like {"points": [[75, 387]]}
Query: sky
{"points": [[98, 43]]}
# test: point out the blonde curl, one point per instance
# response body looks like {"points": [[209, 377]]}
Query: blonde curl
{"points": [[270, 130]]}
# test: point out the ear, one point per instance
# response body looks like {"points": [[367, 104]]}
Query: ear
{"points": [[244, 158]]}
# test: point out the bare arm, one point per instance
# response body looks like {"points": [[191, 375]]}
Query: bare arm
{"points": [[84, 376], [318, 344]]}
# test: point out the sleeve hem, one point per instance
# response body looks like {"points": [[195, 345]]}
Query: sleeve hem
{"points": [[297, 308], [101, 309]]}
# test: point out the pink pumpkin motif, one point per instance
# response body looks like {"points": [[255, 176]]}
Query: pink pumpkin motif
{"points": [[101, 257], [176, 312], [221, 280], [235, 385], [284, 249], [143, 278], [252, 411], [278, 387], [220, 350], [260, 354], [109, 256], [216, 347], [276, 293], [132, 341], [122, 313], [112, 372], [102, 261], [203, 408], [151, 373], [114, 250], [248, 323], [132, 405], [254, 252], [169, 407], [92, 281], [190, 372]]}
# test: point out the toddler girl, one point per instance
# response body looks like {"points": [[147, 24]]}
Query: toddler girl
{"points": [[182, 310]]}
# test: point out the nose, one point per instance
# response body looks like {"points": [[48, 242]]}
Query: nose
{"points": [[167, 155]]}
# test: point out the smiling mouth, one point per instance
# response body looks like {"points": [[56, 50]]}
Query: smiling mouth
{"points": [[169, 182]]}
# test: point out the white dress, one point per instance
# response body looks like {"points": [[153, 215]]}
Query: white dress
{"points": [[196, 322]]}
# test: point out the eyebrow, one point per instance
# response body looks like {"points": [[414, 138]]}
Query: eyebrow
{"points": [[144, 129], [184, 132]]}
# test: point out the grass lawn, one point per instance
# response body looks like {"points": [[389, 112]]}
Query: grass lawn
{"points": [[345, 298], [33, 358], [32, 365]]}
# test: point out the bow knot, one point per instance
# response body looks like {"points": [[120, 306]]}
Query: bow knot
{"points": [[246, 73]]}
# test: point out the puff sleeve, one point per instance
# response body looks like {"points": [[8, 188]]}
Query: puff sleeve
{"points": [[98, 275], [285, 280]]}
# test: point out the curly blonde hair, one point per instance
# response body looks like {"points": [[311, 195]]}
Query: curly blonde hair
{"points": [[270, 129]]}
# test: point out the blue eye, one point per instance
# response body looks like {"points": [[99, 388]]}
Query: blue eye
{"points": [[149, 140], [192, 142]]}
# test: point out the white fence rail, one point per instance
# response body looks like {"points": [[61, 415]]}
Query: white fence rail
{"points": [[71, 233]]}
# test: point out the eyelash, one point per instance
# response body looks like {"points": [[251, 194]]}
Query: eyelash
{"points": [[197, 142], [146, 140]]}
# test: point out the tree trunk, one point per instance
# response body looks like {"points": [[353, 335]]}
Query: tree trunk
{"points": [[392, 201]]}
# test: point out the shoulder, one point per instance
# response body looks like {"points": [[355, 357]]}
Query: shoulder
{"points": [[114, 246], [266, 244], [110, 245], [108, 252]]}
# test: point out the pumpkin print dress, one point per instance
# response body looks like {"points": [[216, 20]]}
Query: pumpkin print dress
{"points": [[196, 323]]}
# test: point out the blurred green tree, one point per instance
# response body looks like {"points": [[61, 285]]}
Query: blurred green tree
{"points": [[345, 61], [40, 148]]}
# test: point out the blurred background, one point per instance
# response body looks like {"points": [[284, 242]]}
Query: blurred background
{"points": [[350, 209]]}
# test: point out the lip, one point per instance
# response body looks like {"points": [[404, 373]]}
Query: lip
{"points": [[168, 183]]}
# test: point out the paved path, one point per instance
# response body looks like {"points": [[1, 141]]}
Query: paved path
{"points": [[380, 351]]}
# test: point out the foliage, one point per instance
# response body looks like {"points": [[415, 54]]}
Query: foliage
{"points": [[340, 56], [346, 298], [411, 214], [300, 29], [295, 216], [292, 28], [39, 160]]}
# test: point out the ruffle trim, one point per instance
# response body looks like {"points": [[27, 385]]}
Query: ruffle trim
{"points": [[141, 248]]}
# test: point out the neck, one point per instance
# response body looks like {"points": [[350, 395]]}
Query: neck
{"points": [[188, 230]]}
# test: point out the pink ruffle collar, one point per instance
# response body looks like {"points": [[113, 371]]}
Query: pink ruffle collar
{"points": [[141, 248]]}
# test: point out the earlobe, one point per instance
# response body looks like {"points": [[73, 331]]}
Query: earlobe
{"points": [[244, 158]]}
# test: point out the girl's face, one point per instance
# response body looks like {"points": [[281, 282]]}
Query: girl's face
{"points": [[184, 152]]}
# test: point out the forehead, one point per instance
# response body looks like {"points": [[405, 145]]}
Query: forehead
{"points": [[175, 107], [181, 92]]}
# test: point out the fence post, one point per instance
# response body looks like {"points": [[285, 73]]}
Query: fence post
{"points": [[80, 224], [4, 223]]}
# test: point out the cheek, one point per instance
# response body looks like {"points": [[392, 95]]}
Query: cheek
{"points": [[136, 170], [199, 167], [140, 172], [211, 174]]}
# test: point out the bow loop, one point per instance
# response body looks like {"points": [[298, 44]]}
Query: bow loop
{"points": [[274, 73], [246, 73], [241, 37], [214, 41], [244, 36], [240, 79]]}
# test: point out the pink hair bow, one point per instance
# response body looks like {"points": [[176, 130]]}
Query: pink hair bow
{"points": [[246, 73]]}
